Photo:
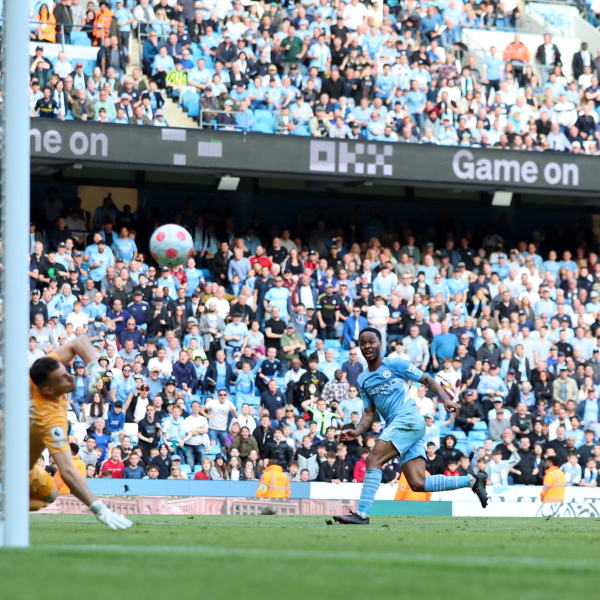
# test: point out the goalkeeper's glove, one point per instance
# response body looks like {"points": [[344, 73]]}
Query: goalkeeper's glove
{"points": [[95, 373], [109, 517]]}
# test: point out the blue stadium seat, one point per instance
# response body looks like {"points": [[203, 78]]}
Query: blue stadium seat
{"points": [[480, 426], [476, 444], [459, 435], [187, 98], [335, 344], [263, 127], [194, 109], [185, 469], [463, 447], [88, 66], [478, 435], [302, 130], [261, 114], [80, 38], [197, 468]]}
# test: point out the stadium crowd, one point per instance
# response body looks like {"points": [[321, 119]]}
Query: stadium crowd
{"points": [[395, 71], [248, 353]]}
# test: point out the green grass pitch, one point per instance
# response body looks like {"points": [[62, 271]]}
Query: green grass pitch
{"points": [[179, 557]]}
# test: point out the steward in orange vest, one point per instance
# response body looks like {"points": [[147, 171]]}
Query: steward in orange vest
{"points": [[555, 482], [63, 488], [47, 27], [102, 23], [274, 483], [405, 493]]}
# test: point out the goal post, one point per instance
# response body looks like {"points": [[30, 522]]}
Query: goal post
{"points": [[15, 215]]}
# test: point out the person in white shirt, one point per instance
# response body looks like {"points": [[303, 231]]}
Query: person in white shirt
{"points": [[34, 353], [162, 362], [196, 438], [217, 412], [378, 316], [245, 419], [354, 14], [78, 318], [424, 404], [63, 67], [221, 303]]}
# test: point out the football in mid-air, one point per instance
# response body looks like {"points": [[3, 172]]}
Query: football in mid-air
{"points": [[171, 245]]}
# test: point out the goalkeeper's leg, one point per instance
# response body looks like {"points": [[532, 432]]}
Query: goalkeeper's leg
{"points": [[42, 489]]}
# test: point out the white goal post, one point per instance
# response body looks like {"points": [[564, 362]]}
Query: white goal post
{"points": [[14, 529]]}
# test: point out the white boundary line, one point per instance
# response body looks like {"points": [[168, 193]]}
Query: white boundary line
{"points": [[529, 561]]}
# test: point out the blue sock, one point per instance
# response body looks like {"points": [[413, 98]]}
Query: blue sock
{"points": [[441, 483], [370, 486]]}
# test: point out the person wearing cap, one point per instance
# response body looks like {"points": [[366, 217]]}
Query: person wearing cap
{"points": [[208, 103], [470, 411], [226, 120], [41, 67], [136, 410], [124, 18], [140, 310], [498, 420], [491, 387], [235, 335], [319, 125]]}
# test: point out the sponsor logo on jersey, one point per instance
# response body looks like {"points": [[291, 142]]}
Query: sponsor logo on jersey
{"points": [[57, 433], [384, 389]]}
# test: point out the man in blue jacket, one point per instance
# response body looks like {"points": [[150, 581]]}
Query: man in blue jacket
{"points": [[115, 421], [588, 410], [353, 326], [185, 373]]}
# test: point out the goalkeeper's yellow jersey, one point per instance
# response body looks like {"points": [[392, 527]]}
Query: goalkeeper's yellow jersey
{"points": [[49, 426]]}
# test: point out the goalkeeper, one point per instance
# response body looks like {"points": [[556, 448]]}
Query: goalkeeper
{"points": [[49, 382]]}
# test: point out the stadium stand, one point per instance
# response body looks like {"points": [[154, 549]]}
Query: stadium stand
{"points": [[510, 75], [508, 323], [260, 324]]}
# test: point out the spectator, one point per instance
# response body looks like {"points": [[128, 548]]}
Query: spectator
{"points": [[217, 412]]}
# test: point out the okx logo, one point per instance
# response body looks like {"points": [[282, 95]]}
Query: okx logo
{"points": [[354, 158]]}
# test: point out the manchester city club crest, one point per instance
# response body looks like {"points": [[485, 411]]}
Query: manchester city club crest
{"points": [[387, 373]]}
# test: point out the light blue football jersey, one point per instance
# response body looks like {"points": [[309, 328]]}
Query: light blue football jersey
{"points": [[387, 388]]}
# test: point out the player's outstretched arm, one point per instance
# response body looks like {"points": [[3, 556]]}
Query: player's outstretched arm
{"points": [[81, 346], [364, 425], [431, 384], [79, 489]]}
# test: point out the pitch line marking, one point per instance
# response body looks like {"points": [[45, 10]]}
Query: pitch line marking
{"points": [[547, 563]]}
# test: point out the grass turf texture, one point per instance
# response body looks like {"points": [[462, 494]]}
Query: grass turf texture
{"points": [[179, 557]]}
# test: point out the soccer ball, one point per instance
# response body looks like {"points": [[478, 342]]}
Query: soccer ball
{"points": [[171, 245]]}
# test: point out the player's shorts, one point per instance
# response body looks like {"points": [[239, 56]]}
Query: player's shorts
{"points": [[407, 433], [41, 484]]}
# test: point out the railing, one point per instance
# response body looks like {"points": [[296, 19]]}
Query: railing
{"points": [[212, 124], [142, 37]]}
